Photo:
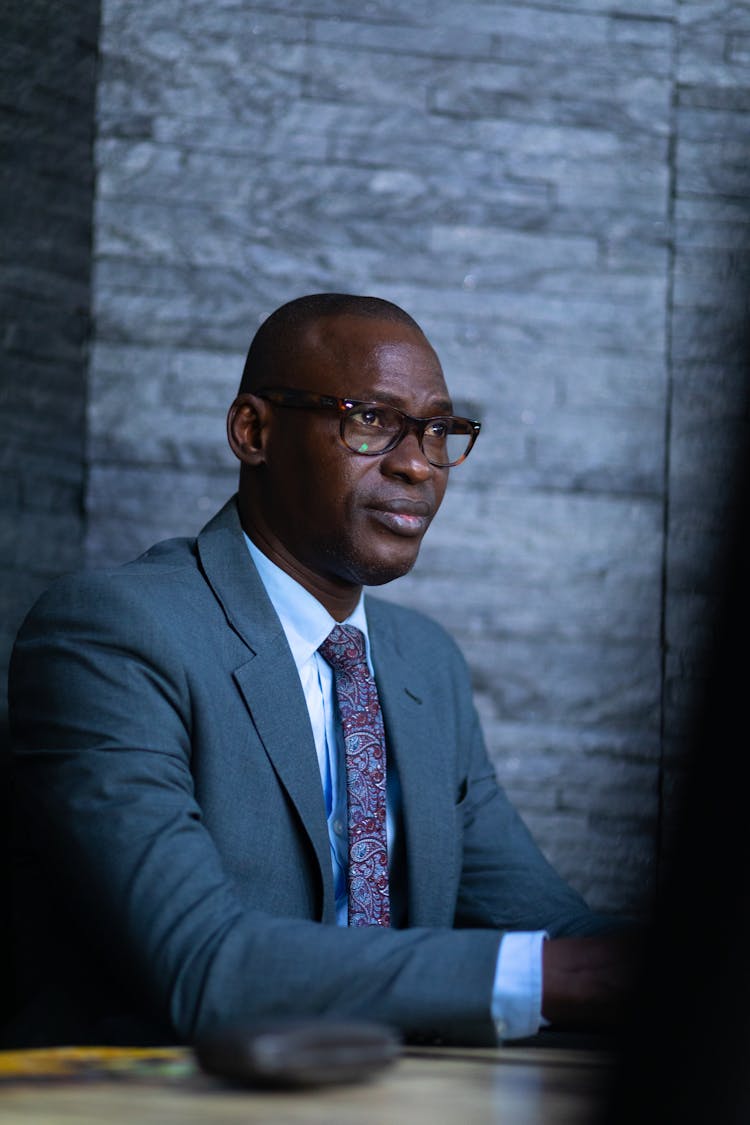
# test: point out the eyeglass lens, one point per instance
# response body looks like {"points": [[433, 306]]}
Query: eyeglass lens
{"points": [[371, 429]]}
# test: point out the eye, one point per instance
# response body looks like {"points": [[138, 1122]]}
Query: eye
{"points": [[438, 428], [370, 417]]}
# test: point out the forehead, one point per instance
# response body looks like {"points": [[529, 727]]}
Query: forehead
{"points": [[361, 357]]}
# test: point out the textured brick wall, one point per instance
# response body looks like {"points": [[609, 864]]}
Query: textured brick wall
{"points": [[47, 72], [557, 191]]}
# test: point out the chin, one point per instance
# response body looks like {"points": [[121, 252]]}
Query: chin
{"points": [[354, 563], [378, 574]]}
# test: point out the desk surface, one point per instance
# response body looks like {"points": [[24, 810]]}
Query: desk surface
{"points": [[516, 1085]]}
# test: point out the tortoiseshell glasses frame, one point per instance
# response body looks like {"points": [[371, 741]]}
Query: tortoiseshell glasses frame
{"points": [[374, 428]]}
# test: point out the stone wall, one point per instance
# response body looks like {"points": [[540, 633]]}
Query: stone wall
{"points": [[556, 190], [47, 77]]}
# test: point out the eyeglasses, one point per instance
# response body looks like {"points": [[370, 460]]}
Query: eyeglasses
{"points": [[373, 428]]}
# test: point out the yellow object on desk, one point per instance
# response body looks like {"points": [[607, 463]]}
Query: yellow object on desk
{"points": [[72, 1062]]}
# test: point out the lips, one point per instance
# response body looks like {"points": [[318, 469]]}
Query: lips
{"points": [[403, 515]]}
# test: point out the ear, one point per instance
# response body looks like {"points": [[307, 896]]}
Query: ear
{"points": [[246, 428]]}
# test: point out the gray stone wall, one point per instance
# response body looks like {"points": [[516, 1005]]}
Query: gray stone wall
{"points": [[557, 191], [47, 84]]}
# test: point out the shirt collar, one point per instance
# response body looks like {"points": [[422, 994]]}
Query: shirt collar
{"points": [[306, 623]]}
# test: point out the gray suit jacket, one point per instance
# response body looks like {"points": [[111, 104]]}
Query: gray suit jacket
{"points": [[172, 850]]}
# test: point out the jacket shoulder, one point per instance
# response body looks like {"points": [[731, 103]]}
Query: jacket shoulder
{"points": [[150, 578], [409, 629]]}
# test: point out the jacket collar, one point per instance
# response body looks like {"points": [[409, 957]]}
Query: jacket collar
{"points": [[425, 769], [268, 680]]}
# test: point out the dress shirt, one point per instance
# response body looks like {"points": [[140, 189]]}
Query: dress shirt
{"points": [[516, 996]]}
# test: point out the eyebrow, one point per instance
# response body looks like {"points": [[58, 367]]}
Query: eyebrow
{"points": [[441, 407]]}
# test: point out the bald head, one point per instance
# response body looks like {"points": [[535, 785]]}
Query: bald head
{"points": [[278, 344]]}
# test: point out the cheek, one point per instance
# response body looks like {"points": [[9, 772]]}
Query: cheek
{"points": [[338, 470], [441, 483], [318, 464], [331, 484]]}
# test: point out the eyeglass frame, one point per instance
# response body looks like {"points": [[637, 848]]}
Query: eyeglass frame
{"points": [[312, 400]]}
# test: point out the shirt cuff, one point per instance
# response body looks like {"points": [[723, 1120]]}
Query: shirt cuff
{"points": [[517, 991]]}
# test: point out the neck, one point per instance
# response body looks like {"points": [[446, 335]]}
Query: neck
{"points": [[338, 597]]}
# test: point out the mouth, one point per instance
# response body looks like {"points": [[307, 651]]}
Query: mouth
{"points": [[403, 516]]}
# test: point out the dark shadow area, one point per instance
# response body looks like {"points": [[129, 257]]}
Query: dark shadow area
{"points": [[685, 1055], [6, 982], [48, 69]]}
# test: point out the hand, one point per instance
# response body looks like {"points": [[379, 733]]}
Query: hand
{"points": [[588, 981]]}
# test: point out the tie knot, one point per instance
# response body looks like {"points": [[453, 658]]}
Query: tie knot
{"points": [[344, 647]]}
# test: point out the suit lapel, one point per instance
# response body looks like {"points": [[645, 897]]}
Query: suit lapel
{"points": [[268, 681], [425, 774]]}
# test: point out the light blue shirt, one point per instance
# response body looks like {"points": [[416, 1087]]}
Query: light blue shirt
{"points": [[516, 997]]}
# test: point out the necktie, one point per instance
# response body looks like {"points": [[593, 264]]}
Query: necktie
{"points": [[364, 744]]}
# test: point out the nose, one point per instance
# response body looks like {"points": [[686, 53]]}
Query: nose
{"points": [[407, 461]]}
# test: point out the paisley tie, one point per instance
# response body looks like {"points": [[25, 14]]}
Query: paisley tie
{"points": [[364, 742]]}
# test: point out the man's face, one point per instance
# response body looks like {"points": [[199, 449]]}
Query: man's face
{"points": [[336, 517]]}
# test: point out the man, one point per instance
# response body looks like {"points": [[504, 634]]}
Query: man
{"points": [[182, 761]]}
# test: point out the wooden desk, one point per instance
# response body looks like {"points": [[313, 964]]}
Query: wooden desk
{"points": [[509, 1085]]}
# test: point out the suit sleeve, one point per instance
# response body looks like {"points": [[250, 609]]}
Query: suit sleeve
{"points": [[101, 719], [506, 881]]}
